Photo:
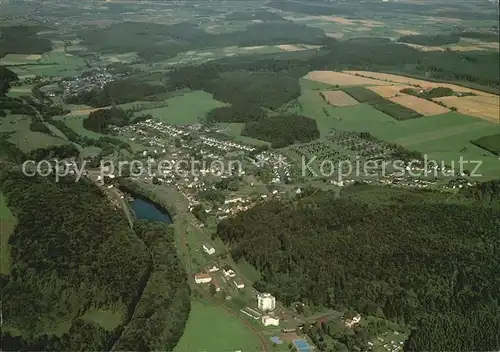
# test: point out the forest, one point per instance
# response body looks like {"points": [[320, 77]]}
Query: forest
{"points": [[23, 40], [70, 254], [383, 251], [6, 76], [161, 313], [86, 258], [282, 130], [430, 40]]}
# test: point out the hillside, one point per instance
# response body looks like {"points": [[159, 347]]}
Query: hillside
{"points": [[77, 267], [418, 257]]}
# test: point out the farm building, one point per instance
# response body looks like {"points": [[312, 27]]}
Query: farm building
{"points": [[266, 302], [202, 278], [270, 320], [208, 249]]}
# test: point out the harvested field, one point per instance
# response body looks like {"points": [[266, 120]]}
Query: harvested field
{"points": [[413, 81], [388, 91], [472, 107], [253, 47], [335, 35], [340, 78], [338, 98], [289, 47], [420, 105], [34, 57], [362, 29], [406, 32], [340, 20], [370, 23]]}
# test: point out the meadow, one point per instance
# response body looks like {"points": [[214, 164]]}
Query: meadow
{"points": [[186, 109], [106, 319], [210, 328]]}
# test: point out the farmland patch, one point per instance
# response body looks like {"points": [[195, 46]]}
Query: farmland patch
{"points": [[474, 106], [338, 98], [340, 78], [422, 106]]}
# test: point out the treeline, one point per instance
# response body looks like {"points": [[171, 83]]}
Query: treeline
{"points": [[430, 40], [432, 93], [161, 314], [381, 249], [282, 131], [490, 143], [108, 145], [23, 40], [6, 76], [72, 252], [155, 41]]}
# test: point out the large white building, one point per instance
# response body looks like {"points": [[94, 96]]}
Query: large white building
{"points": [[270, 320], [202, 278], [266, 302]]}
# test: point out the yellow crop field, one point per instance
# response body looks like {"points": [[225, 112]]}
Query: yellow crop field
{"points": [[338, 98], [422, 106]]}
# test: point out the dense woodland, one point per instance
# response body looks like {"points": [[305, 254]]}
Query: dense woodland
{"points": [[430, 40], [6, 76], [282, 131], [86, 257], [71, 252], [413, 257], [161, 313], [23, 40]]}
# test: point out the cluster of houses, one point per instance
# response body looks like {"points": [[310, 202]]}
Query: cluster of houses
{"points": [[94, 80]]}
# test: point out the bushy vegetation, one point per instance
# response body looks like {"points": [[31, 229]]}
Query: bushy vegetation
{"points": [[382, 251], [22, 40], [430, 40], [100, 120], [489, 143], [236, 113], [432, 93], [71, 252], [282, 131], [364, 95]]}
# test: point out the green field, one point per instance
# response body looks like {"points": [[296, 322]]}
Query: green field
{"points": [[490, 143], [27, 140], [445, 137], [7, 224], [106, 319], [211, 329], [186, 109], [233, 130]]}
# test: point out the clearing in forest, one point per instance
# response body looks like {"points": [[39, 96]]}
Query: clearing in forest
{"points": [[338, 98], [422, 106]]}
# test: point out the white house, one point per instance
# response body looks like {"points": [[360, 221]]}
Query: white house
{"points": [[270, 320], [239, 284], [208, 249], [202, 278], [266, 302], [351, 322], [228, 272], [213, 269]]}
